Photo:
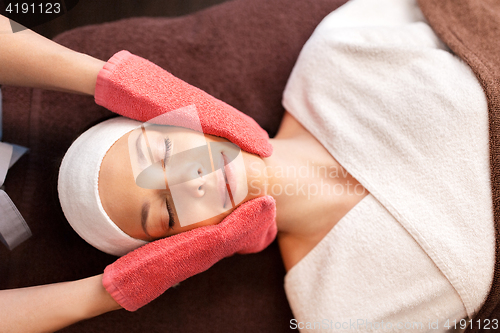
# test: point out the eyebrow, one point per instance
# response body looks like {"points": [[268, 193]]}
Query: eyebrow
{"points": [[144, 217], [146, 205], [138, 147]]}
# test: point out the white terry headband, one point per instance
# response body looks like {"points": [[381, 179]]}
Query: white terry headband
{"points": [[78, 187]]}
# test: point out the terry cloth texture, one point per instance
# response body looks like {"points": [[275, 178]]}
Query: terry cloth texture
{"points": [[409, 121], [241, 52], [470, 28], [139, 89], [136, 88], [79, 191], [351, 279]]}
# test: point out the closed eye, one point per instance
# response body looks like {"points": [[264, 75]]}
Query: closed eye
{"points": [[168, 150], [171, 220], [168, 155]]}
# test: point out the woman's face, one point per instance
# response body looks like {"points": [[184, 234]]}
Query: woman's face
{"points": [[158, 181]]}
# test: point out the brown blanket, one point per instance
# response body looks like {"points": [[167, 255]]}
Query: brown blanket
{"points": [[471, 28], [241, 52]]}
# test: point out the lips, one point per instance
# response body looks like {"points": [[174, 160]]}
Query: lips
{"points": [[221, 185], [230, 175]]}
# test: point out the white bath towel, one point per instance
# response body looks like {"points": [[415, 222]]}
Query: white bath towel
{"points": [[370, 275], [409, 121]]}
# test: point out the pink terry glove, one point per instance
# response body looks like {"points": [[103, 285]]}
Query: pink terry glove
{"points": [[144, 274], [136, 88]]}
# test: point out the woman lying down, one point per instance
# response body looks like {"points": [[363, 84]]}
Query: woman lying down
{"points": [[376, 185]]}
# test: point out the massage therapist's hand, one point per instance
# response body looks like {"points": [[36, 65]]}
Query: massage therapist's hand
{"points": [[144, 274], [30, 60]]}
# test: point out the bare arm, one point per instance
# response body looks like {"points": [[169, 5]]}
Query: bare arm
{"points": [[51, 307], [30, 60]]}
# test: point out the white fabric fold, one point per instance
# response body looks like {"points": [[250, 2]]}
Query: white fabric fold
{"points": [[409, 121], [363, 286], [6, 151], [78, 187], [13, 227]]}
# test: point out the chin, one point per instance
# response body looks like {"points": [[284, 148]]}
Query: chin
{"points": [[256, 180]]}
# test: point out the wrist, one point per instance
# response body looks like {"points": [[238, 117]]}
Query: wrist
{"points": [[99, 301], [82, 72], [92, 68]]}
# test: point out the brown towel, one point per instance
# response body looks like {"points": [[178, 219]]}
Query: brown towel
{"points": [[471, 29]]}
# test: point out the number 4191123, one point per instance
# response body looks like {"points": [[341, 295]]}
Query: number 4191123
{"points": [[31, 8], [487, 324]]}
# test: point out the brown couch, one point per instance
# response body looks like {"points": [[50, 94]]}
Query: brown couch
{"points": [[241, 52]]}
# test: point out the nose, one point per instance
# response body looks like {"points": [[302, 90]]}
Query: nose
{"points": [[192, 179]]}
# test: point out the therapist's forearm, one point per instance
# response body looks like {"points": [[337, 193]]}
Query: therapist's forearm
{"points": [[30, 60], [51, 307]]}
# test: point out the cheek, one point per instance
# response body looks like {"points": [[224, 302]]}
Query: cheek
{"points": [[216, 219], [211, 221]]}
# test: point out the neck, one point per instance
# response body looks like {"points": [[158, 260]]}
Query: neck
{"points": [[311, 189]]}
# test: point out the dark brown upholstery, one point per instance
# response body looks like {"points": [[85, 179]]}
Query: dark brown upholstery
{"points": [[241, 52]]}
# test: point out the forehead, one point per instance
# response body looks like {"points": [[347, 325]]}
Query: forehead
{"points": [[180, 134], [148, 141], [120, 195], [166, 129]]}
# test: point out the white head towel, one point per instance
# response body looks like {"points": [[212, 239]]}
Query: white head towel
{"points": [[78, 187]]}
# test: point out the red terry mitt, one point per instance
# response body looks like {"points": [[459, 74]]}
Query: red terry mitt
{"points": [[144, 274], [138, 89]]}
